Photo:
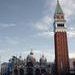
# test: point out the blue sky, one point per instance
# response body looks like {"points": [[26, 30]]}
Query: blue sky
{"points": [[28, 24]]}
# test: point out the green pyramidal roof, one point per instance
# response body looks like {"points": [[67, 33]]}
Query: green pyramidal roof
{"points": [[58, 9]]}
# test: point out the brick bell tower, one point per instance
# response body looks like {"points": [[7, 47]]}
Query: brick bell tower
{"points": [[60, 40]]}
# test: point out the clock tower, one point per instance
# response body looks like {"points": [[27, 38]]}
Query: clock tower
{"points": [[60, 41]]}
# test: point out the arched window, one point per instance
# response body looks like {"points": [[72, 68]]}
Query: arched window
{"points": [[21, 72], [43, 71], [15, 72], [29, 71], [37, 72]]}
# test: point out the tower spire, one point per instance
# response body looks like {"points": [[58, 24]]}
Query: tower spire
{"points": [[58, 8], [57, 1]]}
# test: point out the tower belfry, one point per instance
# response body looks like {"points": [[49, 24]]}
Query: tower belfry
{"points": [[60, 39]]}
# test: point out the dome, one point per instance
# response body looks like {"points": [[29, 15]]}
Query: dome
{"points": [[43, 59], [30, 57]]}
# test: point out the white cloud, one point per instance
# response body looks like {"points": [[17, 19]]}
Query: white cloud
{"points": [[43, 24], [6, 54], [68, 7], [7, 25], [38, 53], [12, 40], [71, 32], [44, 27], [72, 55], [46, 34]]}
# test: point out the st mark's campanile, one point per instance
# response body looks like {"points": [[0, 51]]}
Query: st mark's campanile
{"points": [[60, 40]]}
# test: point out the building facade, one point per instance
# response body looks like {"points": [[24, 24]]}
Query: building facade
{"points": [[4, 68], [72, 65], [28, 66]]}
